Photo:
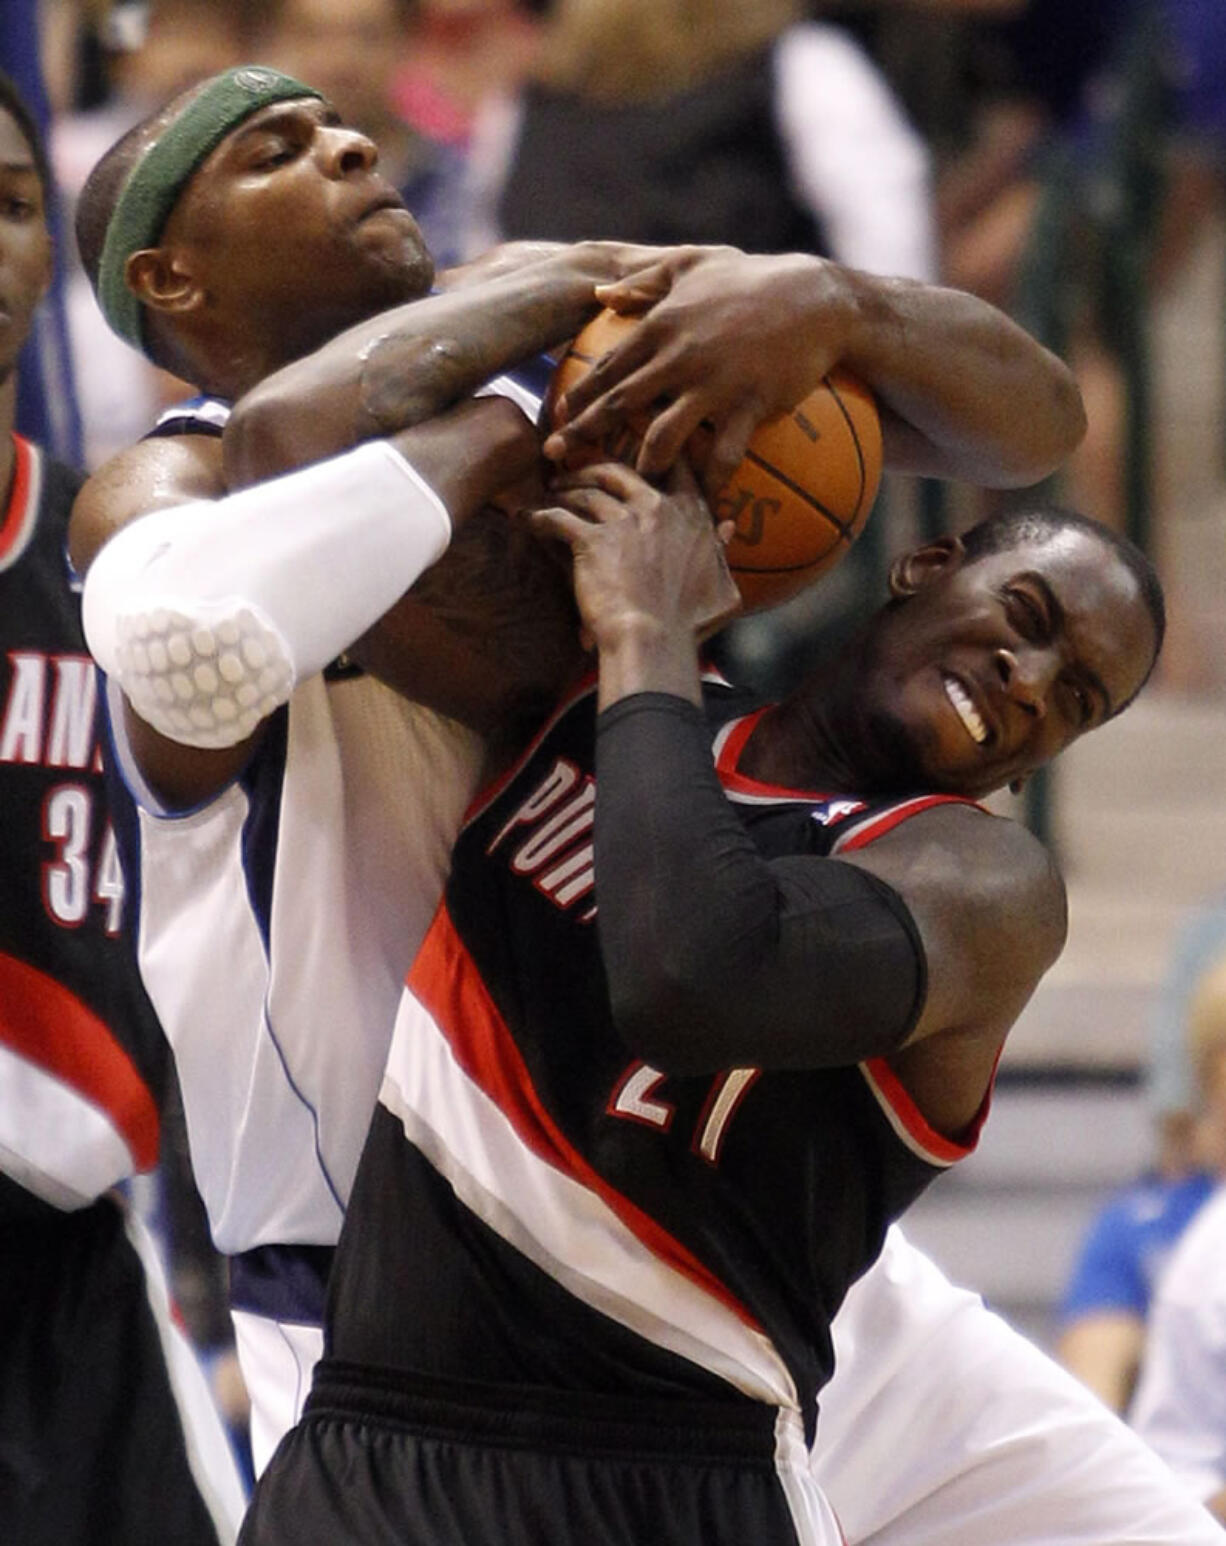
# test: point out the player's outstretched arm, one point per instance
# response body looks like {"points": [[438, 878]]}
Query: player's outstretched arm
{"points": [[733, 338], [415, 361], [207, 608]]}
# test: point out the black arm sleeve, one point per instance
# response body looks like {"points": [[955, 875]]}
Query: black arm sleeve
{"points": [[717, 957]]}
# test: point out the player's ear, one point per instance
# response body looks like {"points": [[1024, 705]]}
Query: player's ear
{"points": [[910, 572], [160, 279]]}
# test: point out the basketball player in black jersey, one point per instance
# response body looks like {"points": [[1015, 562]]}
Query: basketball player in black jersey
{"points": [[686, 1034], [280, 233], [106, 1435]]}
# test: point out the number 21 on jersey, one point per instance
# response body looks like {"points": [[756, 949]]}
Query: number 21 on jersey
{"points": [[637, 1097]]}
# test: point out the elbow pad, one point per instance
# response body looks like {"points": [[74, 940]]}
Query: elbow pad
{"points": [[208, 614]]}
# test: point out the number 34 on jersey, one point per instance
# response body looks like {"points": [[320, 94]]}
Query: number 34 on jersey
{"points": [[49, 725]]}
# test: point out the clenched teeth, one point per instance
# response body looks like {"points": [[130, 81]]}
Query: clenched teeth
{"points": [[966, 710]]}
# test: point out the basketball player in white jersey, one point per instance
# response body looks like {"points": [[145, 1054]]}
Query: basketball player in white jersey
{"points": [[274, 168]]}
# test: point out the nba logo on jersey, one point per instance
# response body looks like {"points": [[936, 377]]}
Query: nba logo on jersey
{"points": [[829, 811]]}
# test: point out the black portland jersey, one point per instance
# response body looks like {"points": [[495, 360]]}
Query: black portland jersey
{"points": [[562, 1213], [82, 1058]]}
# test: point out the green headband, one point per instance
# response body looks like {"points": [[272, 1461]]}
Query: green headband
{"points": [[157, 179]]}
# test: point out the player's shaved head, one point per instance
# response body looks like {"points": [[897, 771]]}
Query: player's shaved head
{"points": [[1013, 527]]}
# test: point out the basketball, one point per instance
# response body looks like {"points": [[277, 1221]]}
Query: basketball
{"points": [[803, 491]]}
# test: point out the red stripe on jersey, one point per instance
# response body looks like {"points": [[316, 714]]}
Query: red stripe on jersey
{"points": [[14, 523], [485, 796], [734, 742], [927, 1140], [731, 742], [446, 982], [878, 826], [889, 1088], [48, 1026]]}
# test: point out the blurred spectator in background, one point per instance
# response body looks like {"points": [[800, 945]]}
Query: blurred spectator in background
{"points": [[1199, 944], [463, 52], [1180, 1405], [1093, 162], [1105, 1306], [147, 52], [354, 51], [670, 121], [1037, 62], [1107, 1303], [46, 401]]}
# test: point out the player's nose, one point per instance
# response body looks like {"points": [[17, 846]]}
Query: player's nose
{"points": [[1026, 676], [344, 151]]}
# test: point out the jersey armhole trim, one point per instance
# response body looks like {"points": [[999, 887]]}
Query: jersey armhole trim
{"points": [[859, 833], [909, 1123], [20, 518]]}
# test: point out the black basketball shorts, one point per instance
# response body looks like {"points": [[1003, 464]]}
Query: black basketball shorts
{"points": [[448, 1464], [93, 1450]]}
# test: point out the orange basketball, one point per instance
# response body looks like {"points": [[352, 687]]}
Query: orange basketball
{"points": [[803, 491]]}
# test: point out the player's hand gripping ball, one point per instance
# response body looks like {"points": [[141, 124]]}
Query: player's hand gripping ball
{"points": [[803, 491]]}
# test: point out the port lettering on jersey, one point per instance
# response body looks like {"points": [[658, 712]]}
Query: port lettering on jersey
{"points": [[549, 836]]}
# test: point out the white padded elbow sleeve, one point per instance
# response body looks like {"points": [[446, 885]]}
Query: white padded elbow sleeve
{"points": [[207, 614]]}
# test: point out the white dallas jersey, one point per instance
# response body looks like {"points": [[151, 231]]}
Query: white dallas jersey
{"points": [[275, 925]]}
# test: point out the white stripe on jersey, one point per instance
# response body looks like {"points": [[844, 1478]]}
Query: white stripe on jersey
{"points": [[53, 1140], [209, 1456], [911, 1129], [558, 1223], [527, 401], [815, 1521]]}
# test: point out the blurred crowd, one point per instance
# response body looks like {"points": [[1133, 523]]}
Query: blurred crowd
{"points": [[1060, 160], [1056, 160]]}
